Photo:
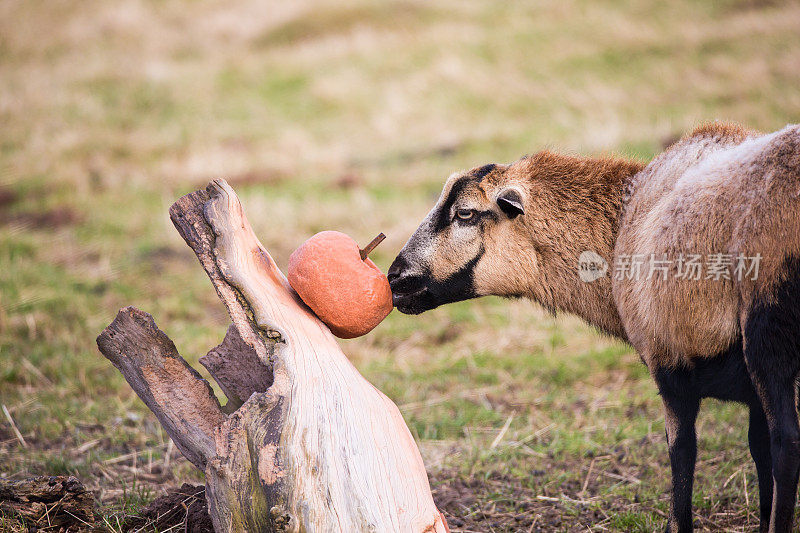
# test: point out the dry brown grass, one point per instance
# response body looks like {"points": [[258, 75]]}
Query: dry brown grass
{"points": [[330, 115]]}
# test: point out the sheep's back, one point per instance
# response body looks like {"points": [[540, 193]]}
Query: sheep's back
{"points": [[727, 192]]}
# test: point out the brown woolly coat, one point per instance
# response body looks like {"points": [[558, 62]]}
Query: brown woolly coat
{"points": [[719, 190]]}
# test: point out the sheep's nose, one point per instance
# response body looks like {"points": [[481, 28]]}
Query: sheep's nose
{"points": [[396, 270]]}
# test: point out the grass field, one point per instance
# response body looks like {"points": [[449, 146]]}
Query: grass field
{"points": [[349, 116]]}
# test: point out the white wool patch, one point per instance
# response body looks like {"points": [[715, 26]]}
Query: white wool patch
{"points": [[714, 166]]}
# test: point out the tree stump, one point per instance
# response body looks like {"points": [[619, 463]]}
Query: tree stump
{"points": [[305, 443]]}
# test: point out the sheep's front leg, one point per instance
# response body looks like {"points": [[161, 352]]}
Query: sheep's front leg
{"points": [[681, 405]]}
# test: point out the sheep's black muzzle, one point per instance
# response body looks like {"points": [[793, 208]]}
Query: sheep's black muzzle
{"points": [[411, 292]]}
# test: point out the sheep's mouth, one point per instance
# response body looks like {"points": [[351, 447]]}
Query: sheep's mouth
{"points": [[414, 303], [411, 294], [414, 294]]}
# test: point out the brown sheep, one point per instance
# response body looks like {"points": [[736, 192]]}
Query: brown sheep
{"points": [[619, 243]]}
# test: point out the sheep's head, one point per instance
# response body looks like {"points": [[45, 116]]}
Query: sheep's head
{"points": [[469, 245]]}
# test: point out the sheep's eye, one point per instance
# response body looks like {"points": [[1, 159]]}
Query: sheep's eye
{"points": [[465, 214]]}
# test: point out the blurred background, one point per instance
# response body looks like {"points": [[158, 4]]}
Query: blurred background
{"points": [[349, 116]]}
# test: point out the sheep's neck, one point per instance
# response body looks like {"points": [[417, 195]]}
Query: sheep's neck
{"points": [[588, 210]]}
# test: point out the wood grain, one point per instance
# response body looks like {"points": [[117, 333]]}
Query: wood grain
{"points": [[309, 444]]}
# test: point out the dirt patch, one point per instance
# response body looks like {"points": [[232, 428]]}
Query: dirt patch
{"points": [[753, 5], [7, 197], [348, 180], [6, 433], [49, 219], [11, 213], [163, 257], [184, 509], [501, 502]]}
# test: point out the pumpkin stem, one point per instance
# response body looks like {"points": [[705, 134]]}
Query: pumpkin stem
{"points": [[371, 246]]}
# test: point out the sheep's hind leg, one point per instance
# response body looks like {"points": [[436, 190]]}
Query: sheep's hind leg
{"points": [[772, 354], [758, 438], [784, 436], [681, 404]]}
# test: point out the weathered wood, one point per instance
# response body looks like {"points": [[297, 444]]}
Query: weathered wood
{"points": [[181, 400], [187, 215], [347, 458], [48, 501], [241, 380], [313, 445]]}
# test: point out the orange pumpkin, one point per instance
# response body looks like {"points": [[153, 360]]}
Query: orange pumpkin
{"points": [[349, 294]]}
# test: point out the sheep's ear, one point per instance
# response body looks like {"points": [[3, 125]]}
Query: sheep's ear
{"points": [[510, 203]]}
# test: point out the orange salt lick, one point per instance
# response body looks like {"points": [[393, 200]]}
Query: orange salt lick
{"points": [[337, 280]]}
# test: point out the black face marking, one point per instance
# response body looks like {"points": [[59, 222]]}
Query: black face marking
{"points": [[459, 286], [475, 176], [442, 219], [477, 218], [417, 294], [481, 172]]}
